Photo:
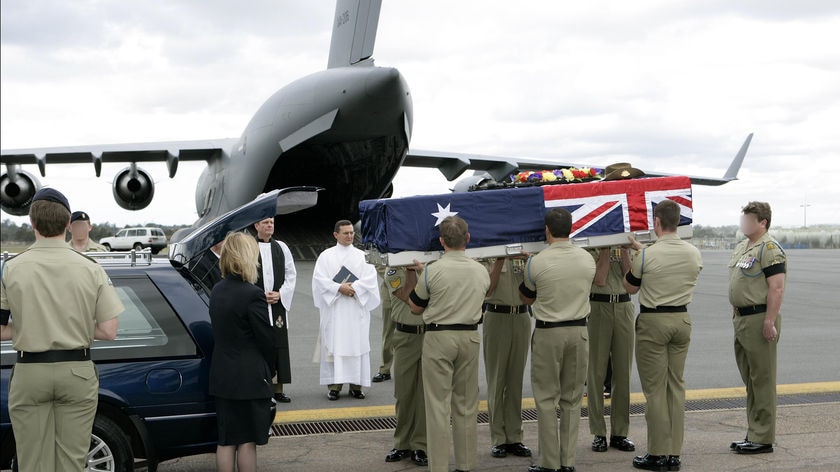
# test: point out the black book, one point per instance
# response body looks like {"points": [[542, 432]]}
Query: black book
{"points": [[344, 275]]}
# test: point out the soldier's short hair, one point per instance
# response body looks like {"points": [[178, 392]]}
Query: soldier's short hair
{"points": [[240, 256], [49, 218], [668, 212], [453, 230], [340, 223], [761, 210], [559, 222]]}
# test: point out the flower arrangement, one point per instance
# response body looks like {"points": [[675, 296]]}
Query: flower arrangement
{"points": [[570, 174], [565, 175]]}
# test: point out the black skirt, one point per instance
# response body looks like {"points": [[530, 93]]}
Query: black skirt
{"points": [[243, 421]]}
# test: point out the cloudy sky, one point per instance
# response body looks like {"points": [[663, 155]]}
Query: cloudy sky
{"points": [[671, 86]]}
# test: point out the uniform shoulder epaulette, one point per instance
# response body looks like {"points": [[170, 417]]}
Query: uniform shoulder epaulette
{"points": [[12, 257], [773, 244], [83, 255], [3, 265]]}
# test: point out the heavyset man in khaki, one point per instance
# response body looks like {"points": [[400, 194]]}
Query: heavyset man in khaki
{"points": [[59, 301], [449, 295], [664, 275], [557, 282], [407, 341], [507, 327], [757, 272], [610, 336]]}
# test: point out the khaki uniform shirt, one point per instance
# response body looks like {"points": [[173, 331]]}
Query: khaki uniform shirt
{"points": [[561, 276], [395, 278], [55, 296], [668, 270], [455, 286], [507, 289], [614, 284], [749, 269], [92, 246]]}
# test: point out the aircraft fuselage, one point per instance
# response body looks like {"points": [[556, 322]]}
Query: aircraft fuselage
{"points": [[345, 129]]}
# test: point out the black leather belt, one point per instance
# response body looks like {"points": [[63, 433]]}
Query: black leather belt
{"points": [[513, 310], [750, 310], [560, 324], [44, 357], [609, 297], [451, 327], [411, 329], [664, 309]]}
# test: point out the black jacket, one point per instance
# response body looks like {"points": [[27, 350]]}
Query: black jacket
{"points": [[244, 342]]}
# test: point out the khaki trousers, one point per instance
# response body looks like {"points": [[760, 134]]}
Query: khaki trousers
{"points": [[610, 334], [505, 346], [662, 341], [756, 359], [52, 407], [387, 329], [558, 370], [410, 432], [450, 382]]}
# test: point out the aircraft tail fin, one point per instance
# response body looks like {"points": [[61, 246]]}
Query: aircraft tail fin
{"points": [[735, 166], [354, 32]]}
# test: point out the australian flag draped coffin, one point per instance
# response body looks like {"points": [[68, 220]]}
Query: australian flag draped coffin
{"points": [[516, 215]]}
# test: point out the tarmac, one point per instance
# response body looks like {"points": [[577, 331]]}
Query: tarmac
{"points": [[808, 424], [807, 438]]}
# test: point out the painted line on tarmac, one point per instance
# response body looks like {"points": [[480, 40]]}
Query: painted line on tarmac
{"points": [[379, 411]]}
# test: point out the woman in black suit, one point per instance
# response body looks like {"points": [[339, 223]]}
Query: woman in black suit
{"points": [[240, 377]]}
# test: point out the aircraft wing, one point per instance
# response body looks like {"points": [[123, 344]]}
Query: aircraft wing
{"points": [[452, 165], [169, 151]]}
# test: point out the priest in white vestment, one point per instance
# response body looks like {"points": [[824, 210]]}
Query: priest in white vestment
{"points": [[277, 277], [345, 290]]}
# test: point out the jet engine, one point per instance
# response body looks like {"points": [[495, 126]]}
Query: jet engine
{"points": [[478, 178], [133, 188], [17, 187]]}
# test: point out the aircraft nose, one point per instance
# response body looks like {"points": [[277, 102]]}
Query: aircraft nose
{"points": [[385, 82]]}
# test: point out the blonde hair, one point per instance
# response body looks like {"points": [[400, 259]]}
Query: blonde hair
{"points": [[240, 256]]}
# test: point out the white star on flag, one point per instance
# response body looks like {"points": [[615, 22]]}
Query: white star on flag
{"points": [[442, 213]]}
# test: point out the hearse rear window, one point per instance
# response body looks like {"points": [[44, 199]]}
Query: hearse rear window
{"points": [[147, 329]]}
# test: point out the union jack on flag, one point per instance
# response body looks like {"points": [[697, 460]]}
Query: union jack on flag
{"points": [[619, 206]]}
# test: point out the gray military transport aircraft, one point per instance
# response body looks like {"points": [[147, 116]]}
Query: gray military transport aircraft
{"points": [[353, 120]]}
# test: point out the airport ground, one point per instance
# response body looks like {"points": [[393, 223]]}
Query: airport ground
{"points": [[807, 439], [314, 434]]}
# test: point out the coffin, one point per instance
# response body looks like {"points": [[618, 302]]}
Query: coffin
{"points": [[507, 221]]}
